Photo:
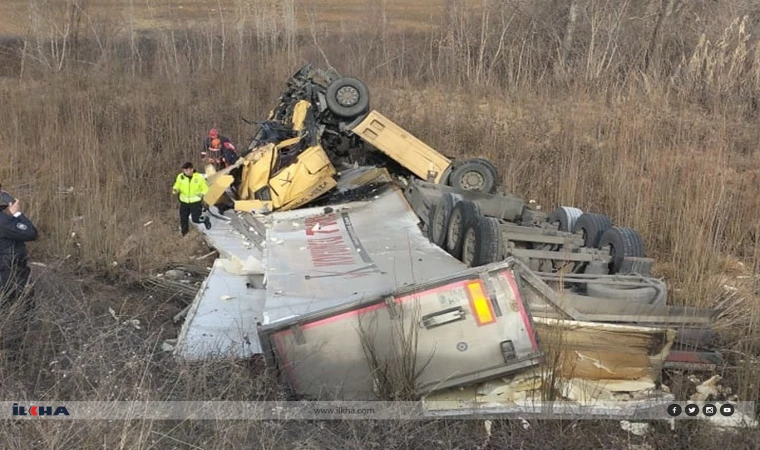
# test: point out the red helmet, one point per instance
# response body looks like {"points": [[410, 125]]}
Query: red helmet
{"points": [[213, 133]]}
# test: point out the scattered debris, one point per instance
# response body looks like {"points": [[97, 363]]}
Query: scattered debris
{"points": [[181, 315], [168, 345], [487, 424], [206, 255], [707, 390], [637, 428], [174, 274], [134, 322]]}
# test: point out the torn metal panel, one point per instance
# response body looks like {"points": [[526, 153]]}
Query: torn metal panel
{"points": [[601, 351], [236, 241], [317, 260], [222, 320]]}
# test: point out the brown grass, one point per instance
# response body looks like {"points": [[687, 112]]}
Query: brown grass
{"points": [[659, 130]]}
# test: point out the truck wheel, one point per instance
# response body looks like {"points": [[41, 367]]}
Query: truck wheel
{"points": [[440, 219], [566, 216], [483, 243], [593, 226], [464, 215], [624, 242], [633, 294], [488, 164], [347, 97], [429, 222], [473, 175]]}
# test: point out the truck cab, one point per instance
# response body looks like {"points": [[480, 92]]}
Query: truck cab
{"points": [[322, 121]]}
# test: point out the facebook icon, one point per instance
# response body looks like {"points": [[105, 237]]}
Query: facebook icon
{"points": [[674, 410]]}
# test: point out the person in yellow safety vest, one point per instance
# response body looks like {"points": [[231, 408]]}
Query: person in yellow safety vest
{"points": [[191, 187]]}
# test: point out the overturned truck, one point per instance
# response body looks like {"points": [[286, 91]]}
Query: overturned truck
{"points": [[408, 274]]}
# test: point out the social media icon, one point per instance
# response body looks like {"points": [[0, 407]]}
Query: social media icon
{"points": [[691, 410], [709, 410], [674, 410], [727, 410]]}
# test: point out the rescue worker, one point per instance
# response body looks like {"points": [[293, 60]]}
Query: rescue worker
{"points": [[214, 154], [191, 187], [221, 155], [15, 230], [224, 143]]}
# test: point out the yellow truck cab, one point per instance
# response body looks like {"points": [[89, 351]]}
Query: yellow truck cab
{"points": [[292, 159]]}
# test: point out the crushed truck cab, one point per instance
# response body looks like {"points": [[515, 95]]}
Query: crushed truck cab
{"points": [[324, 122]]}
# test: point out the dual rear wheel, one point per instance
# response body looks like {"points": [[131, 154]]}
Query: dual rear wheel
{"points": [[458, 226]]}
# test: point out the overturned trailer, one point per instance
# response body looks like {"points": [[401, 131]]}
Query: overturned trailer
{"points": [[395, 285], [353, 301]]}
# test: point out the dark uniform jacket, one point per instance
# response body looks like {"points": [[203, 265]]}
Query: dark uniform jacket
{"points": [[14, 233]]}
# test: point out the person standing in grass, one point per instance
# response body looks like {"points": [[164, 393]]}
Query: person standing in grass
{"points": [[191, 187], [15, 231]]}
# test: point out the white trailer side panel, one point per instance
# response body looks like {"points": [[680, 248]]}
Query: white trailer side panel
{"points": [[319, 260]]}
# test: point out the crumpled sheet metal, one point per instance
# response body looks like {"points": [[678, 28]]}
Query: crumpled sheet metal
{"points": [[222, 320], [317, 260]]}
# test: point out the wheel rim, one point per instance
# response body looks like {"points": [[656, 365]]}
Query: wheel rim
{"points": [[468, 250], [472, 181], [456, 221], [347, 96]]}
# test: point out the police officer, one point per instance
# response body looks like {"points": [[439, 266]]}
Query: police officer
{"points": [[15, 230], [191, 187]]}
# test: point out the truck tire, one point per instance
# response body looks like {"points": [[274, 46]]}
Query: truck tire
{"points": [[465, 214], [566, 216], [473, 175], [488, 164], [483, 243], [593, 226], [624, 242], [347, 97], [440, 220], [633, 294], [429, 222]]}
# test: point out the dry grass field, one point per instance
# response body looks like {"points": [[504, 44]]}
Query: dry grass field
{"points": [[156, 14], [647, 111]]}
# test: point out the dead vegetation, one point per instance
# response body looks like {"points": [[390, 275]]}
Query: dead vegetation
{"points": [[647, 111]]}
